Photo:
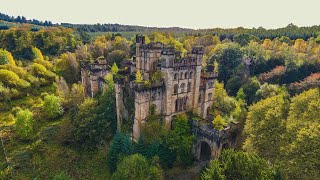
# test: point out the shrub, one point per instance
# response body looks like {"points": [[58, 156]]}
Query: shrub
{"points": [[52, 106], [24, 123]]}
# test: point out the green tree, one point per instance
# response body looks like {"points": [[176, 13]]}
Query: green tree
{"points": [[117, 56], [114, 68], [301, 151], [241, 165], [250, 88], [120, 146], [228, 57], [6, 57], [265, 126], [68, 67], [138, 76], [37, 53], [24, 124], [268, 90], [213, 172], [85, 128], [52, 106], [218, 122], [181, 139], [242, 39], [137, 167], [222, 103]]}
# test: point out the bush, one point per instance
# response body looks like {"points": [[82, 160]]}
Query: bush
{"points": [[137, 167], [52, 106], [11, 79], [24, 124]]}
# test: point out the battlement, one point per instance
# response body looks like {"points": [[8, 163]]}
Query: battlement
{"points": [[152, 46], [209, 75]]}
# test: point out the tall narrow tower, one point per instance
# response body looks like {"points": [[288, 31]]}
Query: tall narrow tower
{"points": [[140, 40], [197, 55]]}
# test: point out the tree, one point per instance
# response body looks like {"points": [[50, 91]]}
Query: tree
{"points": [[95, 122], [228, 57], [114, 68], [6, 57], [266, 116], [242, 39], [218, 122], [24, 123], [52, 106], [181, 139], [37, 53], [116, 56], [137, 167], [301, 151], [138, 76], [268, 90], [120, 145], [222, 103], [214, 172], [242, 165], [39, 70], [68, 67], [12, 80], [250, 88]]}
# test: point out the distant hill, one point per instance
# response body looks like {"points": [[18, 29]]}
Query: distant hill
{"points": [[292, 31]]}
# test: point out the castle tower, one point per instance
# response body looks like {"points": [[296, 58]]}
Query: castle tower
{"points": [[167, 70], [197, 55], [140, 40]]}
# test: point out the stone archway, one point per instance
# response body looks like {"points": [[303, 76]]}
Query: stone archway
{"points": [[205, 151]]}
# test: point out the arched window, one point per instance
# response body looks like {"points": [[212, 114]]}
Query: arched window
{"points": [[189, 86], [210, 96], [175, 90], [186, 75], [185, 104], [175, 76], [182, 86], [191, 75], [181, 75]]}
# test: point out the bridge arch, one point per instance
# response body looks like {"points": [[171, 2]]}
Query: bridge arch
{"points": [[204, 150]]}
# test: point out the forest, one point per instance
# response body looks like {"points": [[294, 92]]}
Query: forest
{"points": [[268, 85]]}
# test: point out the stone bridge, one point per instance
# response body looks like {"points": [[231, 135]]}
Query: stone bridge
{"points": [[210, 142]]}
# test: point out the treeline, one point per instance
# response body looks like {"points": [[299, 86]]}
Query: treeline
{"points": [[22, 19], [291, 31]]}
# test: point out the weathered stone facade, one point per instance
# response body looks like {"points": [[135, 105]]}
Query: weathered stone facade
{"points": [[185, 86], [92, 75]]}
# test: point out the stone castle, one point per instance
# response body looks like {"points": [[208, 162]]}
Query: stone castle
{"points": [[184, 86]]}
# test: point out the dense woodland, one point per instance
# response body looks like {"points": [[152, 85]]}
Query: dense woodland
{"points": [[268, 84]]}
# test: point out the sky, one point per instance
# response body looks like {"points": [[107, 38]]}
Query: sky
{"points": [[171, 13]]}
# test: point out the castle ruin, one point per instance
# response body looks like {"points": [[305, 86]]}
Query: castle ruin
{"points": [[184, 86]]}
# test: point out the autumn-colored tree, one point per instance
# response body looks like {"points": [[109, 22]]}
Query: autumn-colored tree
{"points": [[302, 138], [6, 57], [37, 53], [138, 76], [218, 122], [268, 115]]}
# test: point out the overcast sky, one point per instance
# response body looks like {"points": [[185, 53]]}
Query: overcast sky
{"points": [[168, 13]]}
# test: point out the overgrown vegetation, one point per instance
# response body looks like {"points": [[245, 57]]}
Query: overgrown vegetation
{"points": [[268, 84]]}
